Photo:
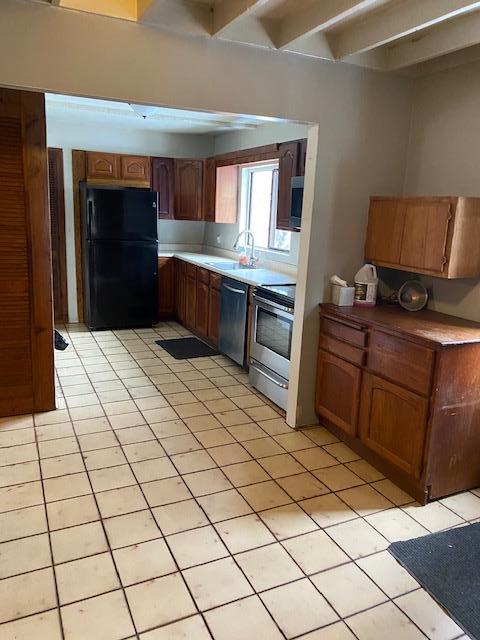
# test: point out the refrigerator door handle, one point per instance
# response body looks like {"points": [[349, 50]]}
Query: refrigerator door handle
{"points": [[89, 218]]}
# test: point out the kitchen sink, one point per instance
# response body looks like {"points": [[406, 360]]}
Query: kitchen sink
{"points": [[228, 266]]}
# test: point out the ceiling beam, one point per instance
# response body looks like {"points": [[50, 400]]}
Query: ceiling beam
{"points": [[228, 12], [452, 36], [445, 63], [315, 45], [143, 6], [318, 17], [397, 21]]}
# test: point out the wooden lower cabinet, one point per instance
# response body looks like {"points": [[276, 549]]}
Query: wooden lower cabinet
{"points": [[214, 315], [338, 391], [409, 404], [202, 303], [180, 285], [393, 422], [190, 302], [197, 299], [166, 287]]}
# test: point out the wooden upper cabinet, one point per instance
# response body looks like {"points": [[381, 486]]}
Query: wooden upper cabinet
{"points": [[112, 168], [291, 163], [302, 158], [430, 235], [189, 189], [102, 165], [287, 169], [135, 168], [385, 229], [163, 182], [209, 190], [424, 240], [226, 194]]}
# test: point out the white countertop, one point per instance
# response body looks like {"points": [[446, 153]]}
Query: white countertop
{"points": [[257, 276]]}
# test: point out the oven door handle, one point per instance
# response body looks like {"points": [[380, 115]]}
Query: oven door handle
{"points": [[262, 371], [272, 305]]}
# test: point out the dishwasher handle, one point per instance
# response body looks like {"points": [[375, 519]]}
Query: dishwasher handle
{"points": [[233, 290]]}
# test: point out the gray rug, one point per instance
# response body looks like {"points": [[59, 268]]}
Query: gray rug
{"points": [[186, 348], [447, 565]]}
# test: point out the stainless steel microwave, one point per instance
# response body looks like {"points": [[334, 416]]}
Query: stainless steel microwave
{"points": [[296, 202]]}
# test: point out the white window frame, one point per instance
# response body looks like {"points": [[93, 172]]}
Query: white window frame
{"points": [[250, 170]]}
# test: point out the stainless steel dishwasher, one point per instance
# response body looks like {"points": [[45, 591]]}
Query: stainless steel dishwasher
{"points": [[233, 319]]}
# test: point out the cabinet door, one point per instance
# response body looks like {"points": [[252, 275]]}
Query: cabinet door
{"points": [[190, 301], [189, 189], [393, 423], [214, 315], [338, 391], [226, 194], [202, 303], [166, 298], [302, 158], [287, 169], [180, 290], [385, 229], [135, 168], [163, 184], [425, 236], [209, 190], [103, 165]]}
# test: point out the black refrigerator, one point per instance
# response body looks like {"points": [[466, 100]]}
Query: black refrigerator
{"points": [[120, 257]]}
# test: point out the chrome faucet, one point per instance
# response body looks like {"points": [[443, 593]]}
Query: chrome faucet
{"points": [[252, 263]]}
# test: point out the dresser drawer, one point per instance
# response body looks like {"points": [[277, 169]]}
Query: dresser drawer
{"points": [[409, 364], [342, 349], [203, 275], [215, 280], [344, 332], [191, 270]]}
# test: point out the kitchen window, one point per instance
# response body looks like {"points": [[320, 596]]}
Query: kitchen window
{"points": [[259, 187]]}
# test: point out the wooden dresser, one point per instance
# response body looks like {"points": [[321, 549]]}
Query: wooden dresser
{"points": [[403, 390]]}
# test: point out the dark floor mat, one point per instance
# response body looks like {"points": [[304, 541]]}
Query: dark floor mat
{"points": [[447, 565], [186, 348]]}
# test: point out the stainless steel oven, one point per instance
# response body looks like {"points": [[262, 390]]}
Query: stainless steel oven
{"points": [[271, 341]]}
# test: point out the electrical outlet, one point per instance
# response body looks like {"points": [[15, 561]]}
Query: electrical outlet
{"points": [[219, 239]]}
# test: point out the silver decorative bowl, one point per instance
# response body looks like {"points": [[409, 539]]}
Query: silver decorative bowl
{"points": [[412, 295]]}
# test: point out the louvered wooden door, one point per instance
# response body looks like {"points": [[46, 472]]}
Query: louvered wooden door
{"points": [[26, 331], [57, 229]]}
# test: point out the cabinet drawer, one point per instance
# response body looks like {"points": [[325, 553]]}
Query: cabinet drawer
{"points": [[215, 280], [356, 337], [409, 364], [203, 275], [190, 270], [342, 349]]}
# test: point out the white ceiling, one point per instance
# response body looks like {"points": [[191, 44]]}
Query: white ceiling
{"points": [[409, 36], [78, 111]]}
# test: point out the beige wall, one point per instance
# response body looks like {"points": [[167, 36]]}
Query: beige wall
{"points": [[363, 121], [443, 159]]}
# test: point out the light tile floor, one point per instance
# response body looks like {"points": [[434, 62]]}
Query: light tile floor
{"points": [[167, 499]]}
